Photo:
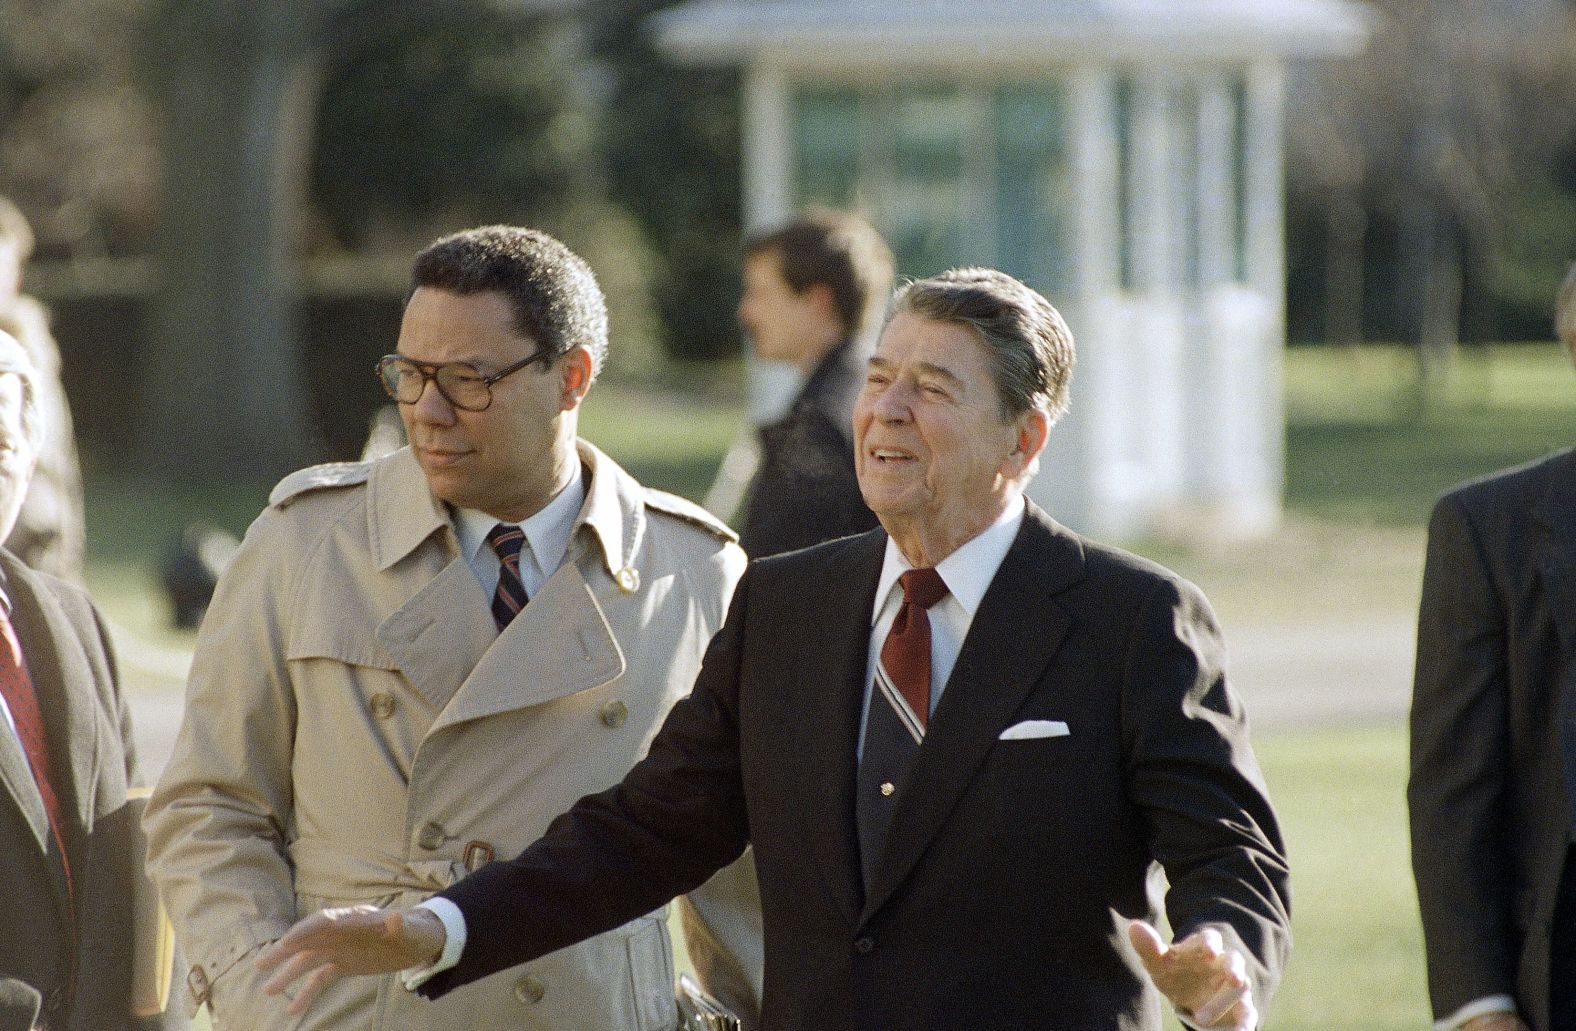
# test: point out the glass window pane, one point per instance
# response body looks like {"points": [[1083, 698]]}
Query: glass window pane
{"points": [[926, 202], [1033, 185], [826, 151]]}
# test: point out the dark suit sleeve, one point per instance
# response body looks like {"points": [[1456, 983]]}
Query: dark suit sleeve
{"points": [[676, 819], [1455, 798], [1192, 773]]}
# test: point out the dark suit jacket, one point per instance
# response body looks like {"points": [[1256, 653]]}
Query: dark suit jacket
{"points": [[1494, 733], [1010, 868], [89, 732], [804, 491]]}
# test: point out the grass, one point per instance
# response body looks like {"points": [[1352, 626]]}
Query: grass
{"points": [[1366, 458]]}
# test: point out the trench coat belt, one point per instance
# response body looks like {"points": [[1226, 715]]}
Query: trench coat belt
{"points": [[375, 885]]}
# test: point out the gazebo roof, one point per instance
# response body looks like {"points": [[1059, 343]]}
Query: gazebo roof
{"points": [[982, 32]]}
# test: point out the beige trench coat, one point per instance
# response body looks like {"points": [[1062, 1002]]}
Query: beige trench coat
{"points": [[356, 728]]}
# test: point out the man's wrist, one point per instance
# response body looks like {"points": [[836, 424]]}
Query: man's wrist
{"points": [[451, 925]]}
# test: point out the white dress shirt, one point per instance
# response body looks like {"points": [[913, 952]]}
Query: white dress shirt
{"points": [[547, 535], [968, 573]]}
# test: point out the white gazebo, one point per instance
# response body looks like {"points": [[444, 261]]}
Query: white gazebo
{"points": [[1122, 156]]}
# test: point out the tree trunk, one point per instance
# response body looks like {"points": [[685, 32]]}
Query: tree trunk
{"points": [[223, 379], [1346, 226]]}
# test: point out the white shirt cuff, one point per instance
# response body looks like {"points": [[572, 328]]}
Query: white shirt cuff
{"points": [[453, 943], [1476, 1008]]}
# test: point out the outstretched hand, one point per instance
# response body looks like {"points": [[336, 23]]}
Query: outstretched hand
{"points": [[1202, 978], [333, 943]]}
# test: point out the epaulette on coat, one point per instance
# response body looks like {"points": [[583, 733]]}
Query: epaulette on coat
{"points": [[673, 505], [318, 477]]}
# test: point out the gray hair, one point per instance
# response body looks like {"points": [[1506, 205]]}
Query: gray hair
{"points": [[1031, 347]]}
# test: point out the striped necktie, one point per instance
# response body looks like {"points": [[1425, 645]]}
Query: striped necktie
{"points": [[510, 596], [898, 713]]}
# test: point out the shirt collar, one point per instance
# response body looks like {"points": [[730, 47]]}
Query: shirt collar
{"points": [[967, 572], [547, 532]]}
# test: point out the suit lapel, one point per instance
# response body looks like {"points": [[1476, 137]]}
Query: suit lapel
{"points": [[54, 659], [1017, 629], [1556, 512], [829, 678]]}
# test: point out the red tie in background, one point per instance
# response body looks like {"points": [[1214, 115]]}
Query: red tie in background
{"points": [[22, 700], [905, 655]]}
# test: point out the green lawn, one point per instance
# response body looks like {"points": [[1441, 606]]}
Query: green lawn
{"points": [[1365, 460]]}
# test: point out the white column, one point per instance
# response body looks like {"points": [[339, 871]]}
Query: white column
{"points": [[768, 188], [1258, 505], [1155, 397], [1091, 465]]}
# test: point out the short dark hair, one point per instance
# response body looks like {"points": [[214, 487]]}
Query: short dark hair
{"points": [[1031, 347], [553, 292], [838, 249]]}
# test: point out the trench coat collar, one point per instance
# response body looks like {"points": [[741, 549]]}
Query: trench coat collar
{"points": [[401, 509], [613, 514]]}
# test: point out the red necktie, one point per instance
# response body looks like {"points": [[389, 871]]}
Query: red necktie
{"points": [[22, 700], [905, 655]]}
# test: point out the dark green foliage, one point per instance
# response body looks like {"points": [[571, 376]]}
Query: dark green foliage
{"points": [[670, 140], [449, 114]]}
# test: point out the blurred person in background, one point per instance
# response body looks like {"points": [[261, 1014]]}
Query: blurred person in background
{"points": [[68, 845], [412, 664], [1493, 731], [49, 533], [814, 290]]}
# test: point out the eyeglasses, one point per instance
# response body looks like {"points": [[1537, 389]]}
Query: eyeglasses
{"points": [[461, 383]]}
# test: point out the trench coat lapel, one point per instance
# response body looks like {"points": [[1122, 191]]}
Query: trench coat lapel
{"points": [[558, 645], [439, 635], [830, 678], [1016, 631], [1555, 512]]}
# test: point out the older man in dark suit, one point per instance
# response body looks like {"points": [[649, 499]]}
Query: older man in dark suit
{"points": [[960, 745], [67, 852], [1494, 745]]}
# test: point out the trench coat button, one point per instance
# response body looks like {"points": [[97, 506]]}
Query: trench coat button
{"points": [[382, 705], [529, 990], [628, 579], [431, 837], [614, 713], [865, 946]]}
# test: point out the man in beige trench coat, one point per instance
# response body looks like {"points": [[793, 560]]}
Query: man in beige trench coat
{"points": [[359, 729]]}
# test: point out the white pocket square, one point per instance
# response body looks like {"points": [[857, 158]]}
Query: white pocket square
{"points": [[1035, 728]]}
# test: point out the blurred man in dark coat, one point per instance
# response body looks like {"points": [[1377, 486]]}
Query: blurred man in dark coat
{"points": [[1494, 745], [813, 291]]}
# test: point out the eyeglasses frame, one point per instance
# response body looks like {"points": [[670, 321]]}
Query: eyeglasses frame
{"points": [[429, 374]]}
